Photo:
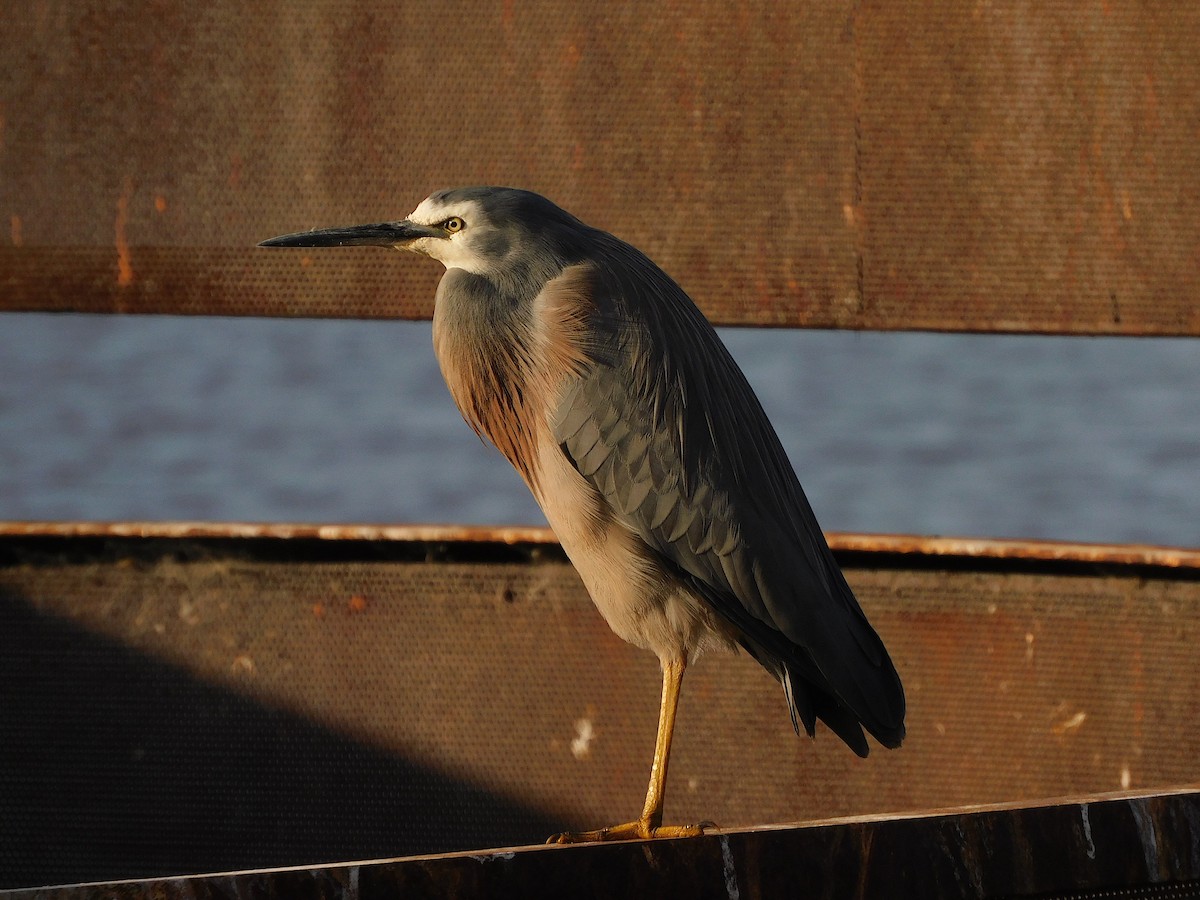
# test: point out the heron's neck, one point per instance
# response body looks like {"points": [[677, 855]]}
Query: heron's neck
{"points": [[482, 337]]}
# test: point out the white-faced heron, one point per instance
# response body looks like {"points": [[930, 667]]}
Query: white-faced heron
{"points": [[597, 377]]}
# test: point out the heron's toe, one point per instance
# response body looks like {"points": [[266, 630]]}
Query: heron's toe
{"points": [[630, 831]]}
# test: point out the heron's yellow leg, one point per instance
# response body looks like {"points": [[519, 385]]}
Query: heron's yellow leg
{"points": [[649, 823]]}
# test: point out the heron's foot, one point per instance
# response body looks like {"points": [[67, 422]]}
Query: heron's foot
{"points": [[639, 830]]}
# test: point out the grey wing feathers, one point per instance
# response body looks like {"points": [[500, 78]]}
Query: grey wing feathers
{"points": [[665, 425]]}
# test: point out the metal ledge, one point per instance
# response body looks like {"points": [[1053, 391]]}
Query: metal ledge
{"points": [[1109, 845], [906, 545]]}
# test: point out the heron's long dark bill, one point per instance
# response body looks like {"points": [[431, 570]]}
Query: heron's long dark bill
{"points": [[384, 234]]}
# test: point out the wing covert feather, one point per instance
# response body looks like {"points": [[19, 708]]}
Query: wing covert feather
{"points": [[665, 425]]}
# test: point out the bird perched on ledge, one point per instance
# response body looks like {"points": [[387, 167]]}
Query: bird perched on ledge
{"points": [[597, 377]]}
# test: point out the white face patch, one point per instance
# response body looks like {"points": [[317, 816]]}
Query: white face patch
{"points": [[455, 250], [435, 212]]}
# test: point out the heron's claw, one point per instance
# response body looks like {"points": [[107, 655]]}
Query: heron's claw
{"points": [[630, 831]]}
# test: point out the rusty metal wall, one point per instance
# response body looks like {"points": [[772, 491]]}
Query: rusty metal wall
{"points": [[180, 705], [185, 705], [1015, 167]]}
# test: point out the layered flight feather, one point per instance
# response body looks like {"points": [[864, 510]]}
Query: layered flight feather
{"points": [[662, 422]]}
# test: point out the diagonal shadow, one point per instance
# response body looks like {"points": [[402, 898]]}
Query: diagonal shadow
{"points": [[115, 765]]}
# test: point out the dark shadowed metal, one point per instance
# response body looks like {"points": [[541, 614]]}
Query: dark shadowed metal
{"points": [[284, 721], [602, 383], [1108, 846]]}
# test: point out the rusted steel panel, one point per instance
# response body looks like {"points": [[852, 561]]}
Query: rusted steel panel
{"points": [[1014, 164], [219, 281], [1015, 167], [1098, 847], [183, 704]]}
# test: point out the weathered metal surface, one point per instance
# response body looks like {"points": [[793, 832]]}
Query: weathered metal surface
{"points": [[1011, 167], [201, 703], [434, 534], [1097, 847], [218, 281]]}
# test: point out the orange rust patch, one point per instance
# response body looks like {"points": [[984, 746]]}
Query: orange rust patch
{"points": [[124, 265]]}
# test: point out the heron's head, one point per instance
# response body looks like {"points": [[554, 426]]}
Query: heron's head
{"points": [[484, 230]]}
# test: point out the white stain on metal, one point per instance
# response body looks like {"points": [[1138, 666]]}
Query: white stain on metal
{"points": [[493, 857], [1070, 724], [731, 884], [581, 743], [352, 889], [1087, 831], [1147, 833]]}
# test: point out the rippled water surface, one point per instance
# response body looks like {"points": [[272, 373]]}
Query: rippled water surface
{"points": [[222, 419]]}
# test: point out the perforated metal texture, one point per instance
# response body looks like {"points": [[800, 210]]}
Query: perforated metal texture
{"points": [[195, 706], [1027, 167], [948, 166]]}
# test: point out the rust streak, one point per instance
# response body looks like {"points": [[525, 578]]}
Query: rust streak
{"points": [[124, 265]]}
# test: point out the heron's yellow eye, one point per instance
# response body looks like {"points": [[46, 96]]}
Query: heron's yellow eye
{"points": [[453, 224]]}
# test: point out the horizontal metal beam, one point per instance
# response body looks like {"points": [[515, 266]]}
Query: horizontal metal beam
{"points": [[946, 167], [1126, 846], [841, 542]]}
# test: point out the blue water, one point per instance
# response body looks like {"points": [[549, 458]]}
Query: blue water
{"points": [[238, 419]]}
